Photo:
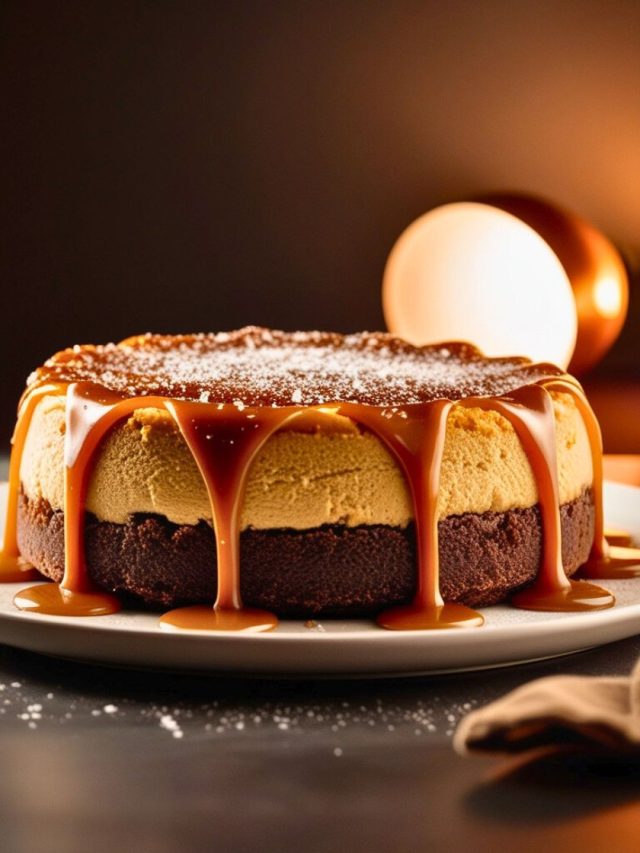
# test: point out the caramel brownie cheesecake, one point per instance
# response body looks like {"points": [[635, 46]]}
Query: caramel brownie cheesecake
{"points": [[308, 474]]}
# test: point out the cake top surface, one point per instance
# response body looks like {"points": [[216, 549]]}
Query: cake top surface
{"points": [[258, 367]]}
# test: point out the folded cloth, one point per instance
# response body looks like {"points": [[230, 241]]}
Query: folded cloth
{"points": [[563, 710]]}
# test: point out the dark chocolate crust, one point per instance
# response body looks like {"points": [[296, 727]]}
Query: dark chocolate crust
{"points": [[328, 571]]}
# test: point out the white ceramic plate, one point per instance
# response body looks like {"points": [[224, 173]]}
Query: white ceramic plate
{"points": [[340, 647]]}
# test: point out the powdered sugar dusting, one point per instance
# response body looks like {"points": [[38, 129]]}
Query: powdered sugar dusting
{"points": [[255, 366]]}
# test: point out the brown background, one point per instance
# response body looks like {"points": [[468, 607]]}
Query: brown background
{"points": [[180, 166]]}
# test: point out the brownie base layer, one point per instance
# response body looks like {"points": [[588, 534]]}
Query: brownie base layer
{"points": [[328, 571]]}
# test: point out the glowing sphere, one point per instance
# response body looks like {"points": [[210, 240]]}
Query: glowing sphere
{"points": [[472, 271], [594, 266]]}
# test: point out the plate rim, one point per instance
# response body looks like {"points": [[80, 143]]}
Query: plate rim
{"points": [[615, 621]]}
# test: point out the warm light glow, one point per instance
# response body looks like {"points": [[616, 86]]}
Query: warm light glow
{"points": [[607, 296], [470, 271], [594, 266]]}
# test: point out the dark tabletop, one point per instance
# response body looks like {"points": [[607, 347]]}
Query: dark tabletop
{"points": [[95, 759], [104, 759]]}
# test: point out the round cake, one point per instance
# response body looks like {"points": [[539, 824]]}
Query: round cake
{"points": [[327, 523]]}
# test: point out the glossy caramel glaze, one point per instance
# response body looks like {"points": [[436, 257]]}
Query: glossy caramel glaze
{"points": [[228, 393], [12, 567], [605, 560], [261, 367]]}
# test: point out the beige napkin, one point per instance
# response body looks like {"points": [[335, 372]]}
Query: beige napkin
{"points": [[563, 710]]}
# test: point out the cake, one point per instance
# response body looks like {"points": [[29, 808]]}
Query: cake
{"points": [[316, 452]]}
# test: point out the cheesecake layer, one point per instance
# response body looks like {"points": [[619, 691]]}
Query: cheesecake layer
{"points": [[332, 570], [321, 470]]}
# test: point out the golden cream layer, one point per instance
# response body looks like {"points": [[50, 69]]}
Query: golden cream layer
{"points": [[325, 470]]}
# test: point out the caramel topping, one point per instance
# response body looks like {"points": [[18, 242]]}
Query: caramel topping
{"points": [[530, 413], [12, 567], [53, 599], [228, 393], [224, 441], [415, 435], [198, 617], [615, 536], [260, 367], [605, 560]]}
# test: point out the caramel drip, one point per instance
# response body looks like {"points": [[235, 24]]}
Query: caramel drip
{"points": [[415, 435], [606, 561], [616, 536], [90, 412], [266, 367], [13, 568], [224, 440], [530, 412]]}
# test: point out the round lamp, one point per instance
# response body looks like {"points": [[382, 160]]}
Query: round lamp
{"points": [[513, 274]]}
